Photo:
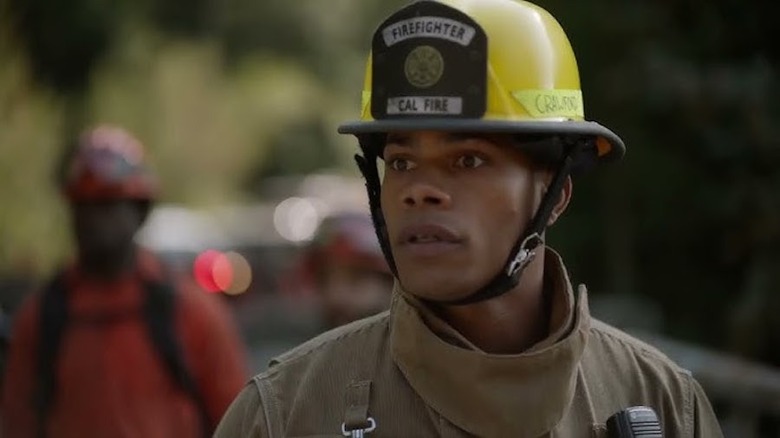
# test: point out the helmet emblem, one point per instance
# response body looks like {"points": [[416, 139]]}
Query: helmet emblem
{"points": [[424, 66]]}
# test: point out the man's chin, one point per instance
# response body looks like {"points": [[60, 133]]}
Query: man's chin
{"points": [[442, 291]]}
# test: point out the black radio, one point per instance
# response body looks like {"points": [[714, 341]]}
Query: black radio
{"points": [[634, 422]]}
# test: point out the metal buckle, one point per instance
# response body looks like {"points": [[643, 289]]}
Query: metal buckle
{"points": [[525, 254], [358, 433]]}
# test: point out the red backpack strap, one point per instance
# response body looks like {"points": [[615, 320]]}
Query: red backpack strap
{"points": [[52, 320], [160, 314]]}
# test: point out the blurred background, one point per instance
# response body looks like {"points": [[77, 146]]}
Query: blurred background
{"points": [[237, 102]]}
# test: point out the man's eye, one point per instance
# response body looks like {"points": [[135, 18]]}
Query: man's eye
{"points": [[470, 161], [401, 164]]}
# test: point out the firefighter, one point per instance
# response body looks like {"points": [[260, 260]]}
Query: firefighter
{"points": [[343, 270], [476, 110], [115, 345]]}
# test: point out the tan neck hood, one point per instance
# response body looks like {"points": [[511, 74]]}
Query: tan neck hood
{"points": [[494, 395]]}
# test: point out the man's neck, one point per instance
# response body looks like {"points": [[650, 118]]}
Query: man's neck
{"points": [[510, 323]]}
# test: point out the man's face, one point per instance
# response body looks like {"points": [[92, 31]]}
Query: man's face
{"points": [[454, 205], [105, 229]]}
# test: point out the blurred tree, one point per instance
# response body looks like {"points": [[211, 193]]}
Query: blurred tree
{"points": [[239, 90], [65, 38], [182, 18], [692, 211], [30, 125], [301, 148]]}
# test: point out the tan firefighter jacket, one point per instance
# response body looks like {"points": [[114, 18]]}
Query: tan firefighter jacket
{"points": [[406, 373]]}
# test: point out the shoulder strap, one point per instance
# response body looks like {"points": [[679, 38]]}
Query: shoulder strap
{"points": [[53, 318], [160, 319], [357, 420], [357, 392]]}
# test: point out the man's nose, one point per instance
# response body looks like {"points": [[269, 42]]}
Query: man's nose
{"points": [[419, 194]]}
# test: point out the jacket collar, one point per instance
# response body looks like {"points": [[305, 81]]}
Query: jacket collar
{"points": [[487, 394]]}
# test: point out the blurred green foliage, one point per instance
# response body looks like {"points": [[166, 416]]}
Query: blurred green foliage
{"points": [[227, 93], [692, 216]]}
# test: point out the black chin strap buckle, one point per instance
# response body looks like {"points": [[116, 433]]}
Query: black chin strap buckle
{"points": [[524, 255]]}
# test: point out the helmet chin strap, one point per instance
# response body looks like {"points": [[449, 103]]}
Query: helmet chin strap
{"points": [[368, 167], [523, 251]]}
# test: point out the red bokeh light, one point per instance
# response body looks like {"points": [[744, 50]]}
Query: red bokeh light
{"points": [[212, 271]]}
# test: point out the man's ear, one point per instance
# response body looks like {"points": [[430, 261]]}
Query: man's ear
{"points": [[563, 201]]}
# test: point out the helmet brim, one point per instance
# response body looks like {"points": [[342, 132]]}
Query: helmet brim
{"points": [[608, 145]]}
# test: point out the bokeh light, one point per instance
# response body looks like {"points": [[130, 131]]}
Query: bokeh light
{"points": [[241, 274], [227, 272], [222, 272], [212, 271], [296, 219]]}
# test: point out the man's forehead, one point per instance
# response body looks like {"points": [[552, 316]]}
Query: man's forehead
{"points": [[421, 138]]}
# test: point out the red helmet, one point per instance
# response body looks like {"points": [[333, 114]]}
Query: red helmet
{"points": [[346, 239], [349, 238], [109, 164]]}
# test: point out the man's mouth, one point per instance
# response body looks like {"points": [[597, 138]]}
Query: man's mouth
{"points": [[428, 233]]}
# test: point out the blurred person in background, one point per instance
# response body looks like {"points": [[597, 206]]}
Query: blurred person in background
{"points": [[115, 345], [476, 110], [343, 270]]}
